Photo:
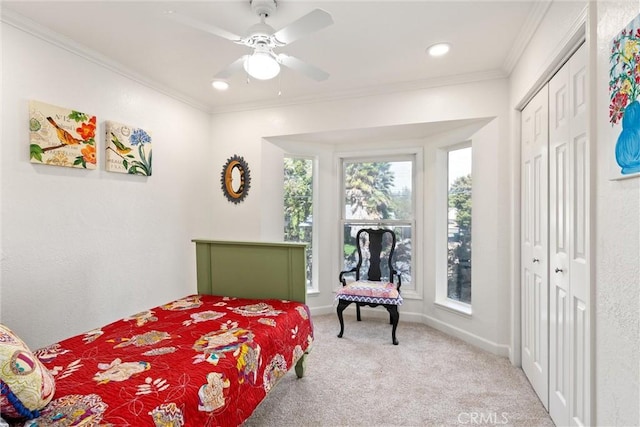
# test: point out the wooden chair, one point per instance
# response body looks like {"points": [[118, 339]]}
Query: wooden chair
{"points": [[371, 287]]}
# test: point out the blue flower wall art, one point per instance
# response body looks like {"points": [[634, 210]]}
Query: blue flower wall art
{"points": [[624, 89], [128, 149]]}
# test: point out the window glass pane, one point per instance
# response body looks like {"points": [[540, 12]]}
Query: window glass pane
{"points": [[401, 256], [378, 194], [459, 226], [298, 206], [378, 190]]}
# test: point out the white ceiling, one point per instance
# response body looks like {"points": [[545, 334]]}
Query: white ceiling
{"points": [[372, 47]]}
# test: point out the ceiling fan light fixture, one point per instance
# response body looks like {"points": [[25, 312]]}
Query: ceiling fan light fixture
{"points": [[261, 66], [439, 49]]}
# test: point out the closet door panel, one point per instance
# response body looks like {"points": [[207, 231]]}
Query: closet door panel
{"points": [[559, 246], [535, 202], [580, 332], [569, 322]]}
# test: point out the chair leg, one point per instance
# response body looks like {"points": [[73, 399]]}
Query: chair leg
{"points": [[395, 317], [358, 312], [342, 304]]}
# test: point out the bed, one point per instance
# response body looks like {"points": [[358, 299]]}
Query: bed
{"points": [[206, 359]]}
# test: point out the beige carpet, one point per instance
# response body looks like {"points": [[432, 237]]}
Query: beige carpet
{"points": [[430, 379]]}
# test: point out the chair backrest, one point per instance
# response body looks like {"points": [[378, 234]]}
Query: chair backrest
{"points": [[375, 255]]}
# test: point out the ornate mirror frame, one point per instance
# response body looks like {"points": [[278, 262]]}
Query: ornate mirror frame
{"points": [[235, 195]]}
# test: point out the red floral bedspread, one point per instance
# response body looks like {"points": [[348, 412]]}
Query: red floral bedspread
{"points": [[199, 361]]}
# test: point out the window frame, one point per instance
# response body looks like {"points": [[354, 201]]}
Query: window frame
{"points": [[442, 230], [315, 233], [414, 290]]}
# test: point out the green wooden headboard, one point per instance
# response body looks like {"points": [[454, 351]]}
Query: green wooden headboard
{"points": [[251, 269]]}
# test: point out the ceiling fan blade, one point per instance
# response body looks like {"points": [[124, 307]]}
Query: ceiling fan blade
{"points": [[307, 69], [234, 67], [313, 21], [199, 25]]}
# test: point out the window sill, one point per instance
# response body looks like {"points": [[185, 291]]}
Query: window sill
{"points": [[410, 294], [455, 307]]}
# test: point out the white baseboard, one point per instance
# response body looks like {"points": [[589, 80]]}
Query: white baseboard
{"points": [[317, 311], [502, 350]]}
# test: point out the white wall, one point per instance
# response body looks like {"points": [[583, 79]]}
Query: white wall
{"points": [[617, 204], [488, 327], [555, 30], [84, 248], [617, 290], [260, 215]]}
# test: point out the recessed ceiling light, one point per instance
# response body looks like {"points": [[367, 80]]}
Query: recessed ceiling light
{"points": [[438, 49], [220, 85]]}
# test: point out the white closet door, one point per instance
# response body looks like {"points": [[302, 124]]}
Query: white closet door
{"points": [[556, 337], [559, 242], [569, 321], [535, 326], [580, 258]]}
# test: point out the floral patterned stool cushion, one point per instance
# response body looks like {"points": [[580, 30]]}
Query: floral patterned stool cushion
{"points": [[366, 291]]}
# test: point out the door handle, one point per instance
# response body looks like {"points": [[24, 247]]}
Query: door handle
{"points": [[536, 260], [558, 270]]}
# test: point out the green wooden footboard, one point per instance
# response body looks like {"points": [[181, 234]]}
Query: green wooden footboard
{"points": [[251, 269]]}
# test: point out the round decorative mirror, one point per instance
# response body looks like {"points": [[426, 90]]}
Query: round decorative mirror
{"points": [[236, 179]]}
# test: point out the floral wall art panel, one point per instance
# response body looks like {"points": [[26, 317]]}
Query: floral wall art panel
{"points": [[624, 106], [128, 149], [61, 137]]}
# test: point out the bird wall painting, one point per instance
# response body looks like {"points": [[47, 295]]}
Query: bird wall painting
{"points": [[128, 149], [61, 137]]}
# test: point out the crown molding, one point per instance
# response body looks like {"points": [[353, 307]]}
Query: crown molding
{"points": [[367, 91], [572, 39], [28, 26], [535, 17]]}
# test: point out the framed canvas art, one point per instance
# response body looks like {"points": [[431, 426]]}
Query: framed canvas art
{"points": [[61, 137], [624, 108], [128, 149]]}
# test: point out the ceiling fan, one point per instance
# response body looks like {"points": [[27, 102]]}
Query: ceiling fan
{"points": [[264, 63]]}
